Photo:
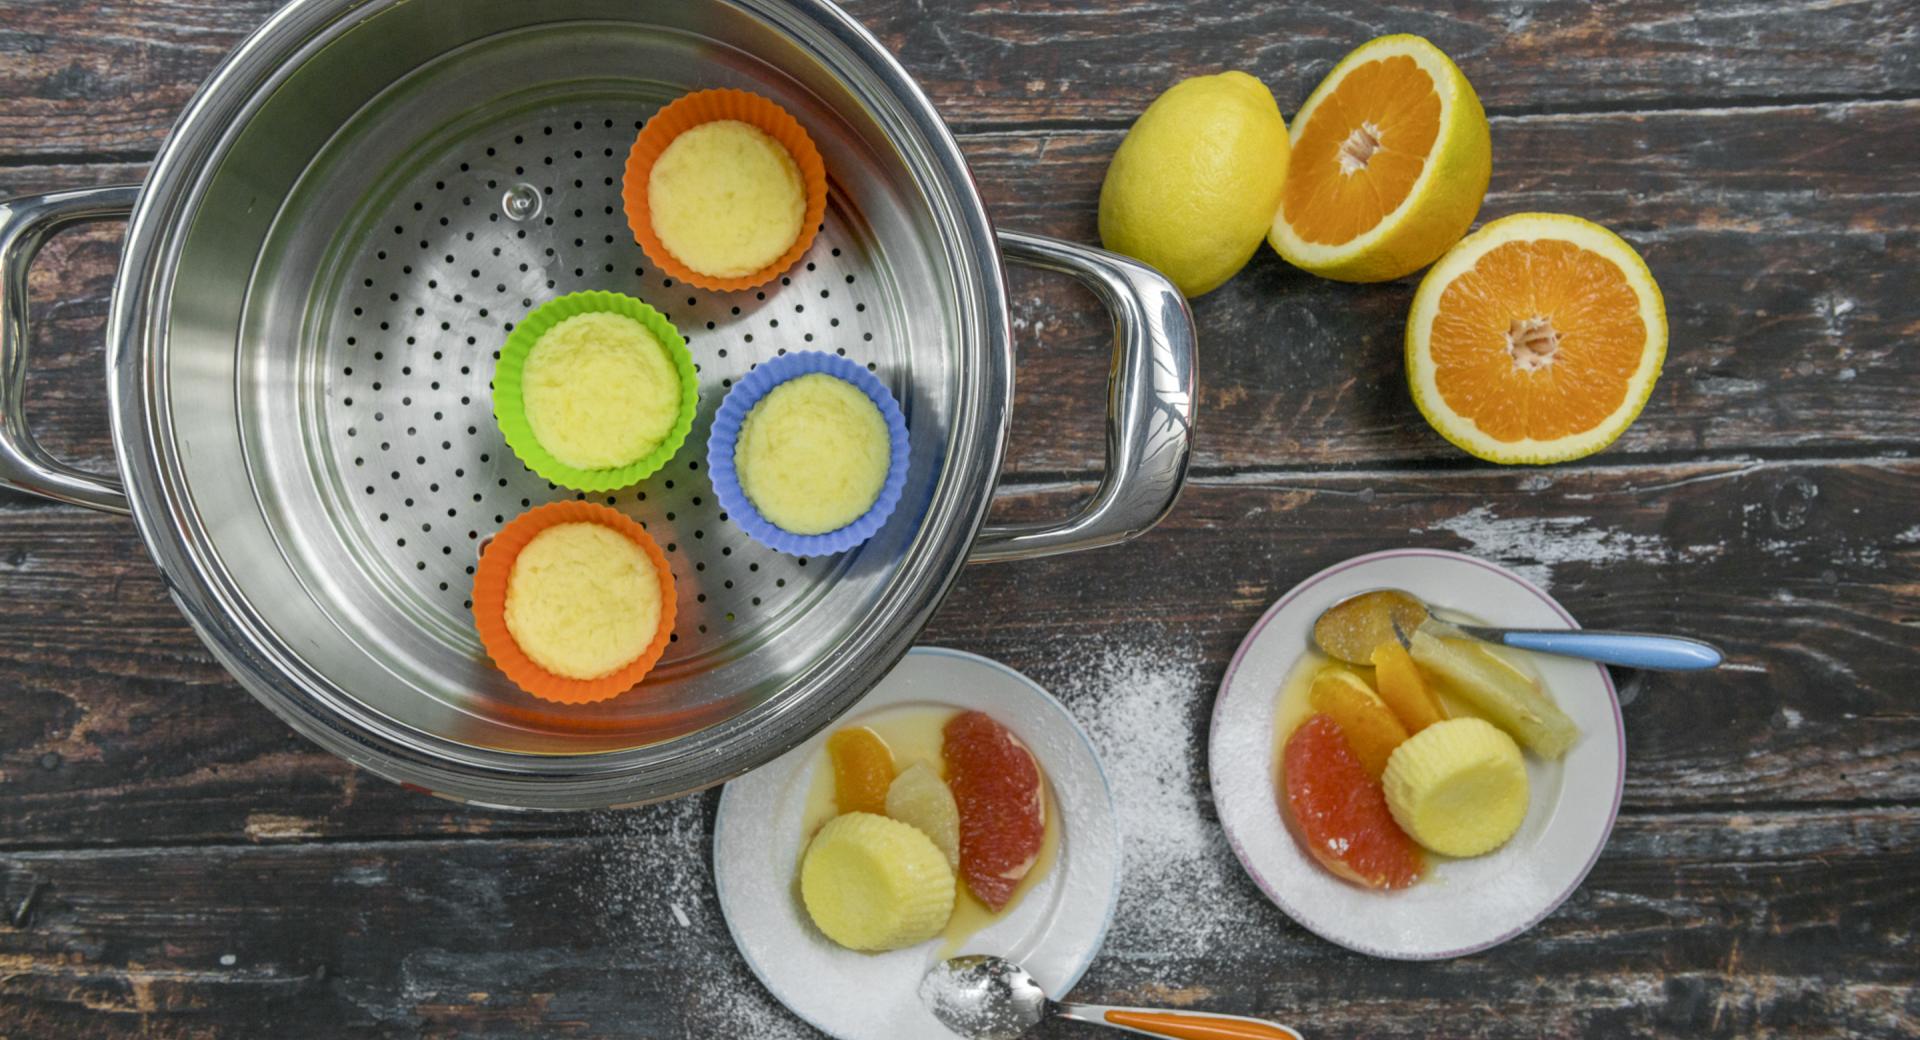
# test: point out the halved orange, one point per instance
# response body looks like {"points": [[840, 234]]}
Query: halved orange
{"points": [[1391, 158], [1537, 339]]}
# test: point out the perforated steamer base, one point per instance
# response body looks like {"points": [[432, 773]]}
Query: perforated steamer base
{"points": [[415, 322], [373, 436]]}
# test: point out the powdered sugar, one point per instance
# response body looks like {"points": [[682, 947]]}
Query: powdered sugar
{"points": [[733, 1004], [652, 881], [651, 870], [1144, 699]]}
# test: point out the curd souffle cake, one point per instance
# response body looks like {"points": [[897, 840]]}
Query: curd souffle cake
{"points": [[600, 390], [583, 601], [812, 455], [726, 199]]}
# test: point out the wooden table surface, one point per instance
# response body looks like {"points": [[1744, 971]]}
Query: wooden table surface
{"points": [[176, 863]]}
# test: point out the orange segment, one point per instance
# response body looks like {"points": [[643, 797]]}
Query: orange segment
{"points": [[1370, 727], [862, 770], [1398, 681], [1537, 339], [1358, 159]]}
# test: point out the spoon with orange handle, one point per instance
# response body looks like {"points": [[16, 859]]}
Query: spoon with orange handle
{"points": [[991, 998]]}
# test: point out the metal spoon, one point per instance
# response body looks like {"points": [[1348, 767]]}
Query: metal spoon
{"points": [[991, 998], [1398, 612]]}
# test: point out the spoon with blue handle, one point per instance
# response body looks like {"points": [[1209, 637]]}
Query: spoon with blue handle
{"points": [[1351, 628], [1626, 649]]}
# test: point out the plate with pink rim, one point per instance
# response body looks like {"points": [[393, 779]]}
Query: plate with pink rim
{"points": [[1461, 906], [1054, 930]]}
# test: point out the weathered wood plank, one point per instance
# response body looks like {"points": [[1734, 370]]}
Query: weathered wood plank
{"points": [[1771, 350], [1067, 61], [95, 79], [1691, 924], [1762, 881], [121, 730], [107, 77]]}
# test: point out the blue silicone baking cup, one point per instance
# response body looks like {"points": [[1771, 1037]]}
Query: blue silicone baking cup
{"points": [[726, 434]]}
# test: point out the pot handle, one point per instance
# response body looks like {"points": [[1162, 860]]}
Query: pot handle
{"points": [[25, 225], [1151, 396]]}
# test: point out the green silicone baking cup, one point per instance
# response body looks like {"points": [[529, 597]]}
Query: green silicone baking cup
{"points": [[509, 410]]}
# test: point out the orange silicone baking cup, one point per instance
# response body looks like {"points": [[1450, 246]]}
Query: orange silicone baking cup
{"points": [[490, 604], [709, 106]]}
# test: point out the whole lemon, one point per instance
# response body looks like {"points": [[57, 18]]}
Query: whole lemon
{"points": [[1194, 186]]}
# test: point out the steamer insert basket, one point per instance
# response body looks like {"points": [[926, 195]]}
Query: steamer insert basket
{"points": [[323, 264]]}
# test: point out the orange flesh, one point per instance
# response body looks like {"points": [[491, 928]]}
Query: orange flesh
{"points": [[1359, 154], [1371, 728], [1539, 339], [862, 770], [1397, 679]]}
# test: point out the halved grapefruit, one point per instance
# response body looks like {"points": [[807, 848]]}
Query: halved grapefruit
{"points": [[1537, 339], [1391, 158]]}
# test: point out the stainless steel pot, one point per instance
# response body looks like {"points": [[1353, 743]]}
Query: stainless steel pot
{"points": [[330, 248]]}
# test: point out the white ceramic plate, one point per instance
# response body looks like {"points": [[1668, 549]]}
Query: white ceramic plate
{"points": [[1054, 931], [1462, 906]]}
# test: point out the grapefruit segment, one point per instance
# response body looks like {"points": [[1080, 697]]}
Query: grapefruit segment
{"points": [[1003, 816], [1339, 813]]}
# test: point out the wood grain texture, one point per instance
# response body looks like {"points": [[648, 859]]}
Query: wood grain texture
{"points": [[122, 730], [1064, 60], [175, 862], [1691, 924], [105, 78], [1770, 352]]}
